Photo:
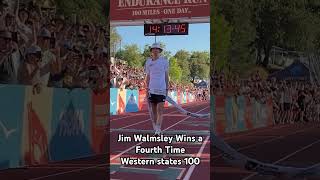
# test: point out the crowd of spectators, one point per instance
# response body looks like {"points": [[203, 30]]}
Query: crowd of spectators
{"points": [[292, 100], [41, 48], [125, 77]]}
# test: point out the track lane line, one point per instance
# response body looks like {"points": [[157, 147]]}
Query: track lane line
{"points": [[132, 147], [100, 165], [286, 157], [267, 141], [146, 111], [139, 122], [200, 152]]}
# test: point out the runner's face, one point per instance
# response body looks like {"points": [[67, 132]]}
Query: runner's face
{"points": [[155, 52]]}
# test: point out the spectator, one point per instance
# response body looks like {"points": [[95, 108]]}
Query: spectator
{"points": [[72, 55]]}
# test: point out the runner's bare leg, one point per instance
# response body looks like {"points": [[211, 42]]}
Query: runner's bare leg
{"points": [[153, 115], [160, 107]]}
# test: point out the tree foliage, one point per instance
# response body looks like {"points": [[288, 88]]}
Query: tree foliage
{"points": [[175, 72], [115, 40], [93, 11], [185, 66], [183, 58], [132, 55], [199, 65], [256, 26]]}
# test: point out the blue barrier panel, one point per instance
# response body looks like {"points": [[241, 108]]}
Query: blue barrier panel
{"points": [[212, 113], [132, 98], [184, 97], [175, 96], [229, 114], [255, 111], [241, 102], [113, 101], [70, 125], [11, 116], [171, 94]]}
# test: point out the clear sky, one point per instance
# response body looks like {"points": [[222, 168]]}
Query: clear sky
{"points": [[197, 40]]}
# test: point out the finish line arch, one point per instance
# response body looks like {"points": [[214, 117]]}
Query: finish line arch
{"points": [[140, 12]]}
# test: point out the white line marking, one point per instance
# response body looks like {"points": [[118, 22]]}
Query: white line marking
{"points": [[129, 149], [130, 115], [286, 157], [191, 169], [87, 168], [266, 141], [67, 172], [181, 173], [142, 121], [147, 169]]}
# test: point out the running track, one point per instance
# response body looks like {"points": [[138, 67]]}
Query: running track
{"points": [[95, 168], [291, 145], [173, 122], [80, 169], [296, 145]]}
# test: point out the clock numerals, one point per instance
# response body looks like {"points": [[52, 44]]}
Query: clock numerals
{"points": [[155, 29], [177, 28], [183, 28], [167, 29]]}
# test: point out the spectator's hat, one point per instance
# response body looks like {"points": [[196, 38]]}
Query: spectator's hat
{"points": [[156, 46], [45, 33], [34, 49], [5, 34]]}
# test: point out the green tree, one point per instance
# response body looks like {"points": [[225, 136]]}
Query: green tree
{"points": [[199, 65], [259, 25], [120, 54], [221, 42], [132, 55], [175, 72], [115, 40], [146, 51], [183, 57], [92, 11]]}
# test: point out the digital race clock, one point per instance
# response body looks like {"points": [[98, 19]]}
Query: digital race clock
{"points": [[166, 29]]}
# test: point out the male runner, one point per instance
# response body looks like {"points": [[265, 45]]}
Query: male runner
{"points": [[157, 81]]}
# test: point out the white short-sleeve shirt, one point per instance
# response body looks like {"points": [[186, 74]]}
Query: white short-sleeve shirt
{"points": [[157, 70]]}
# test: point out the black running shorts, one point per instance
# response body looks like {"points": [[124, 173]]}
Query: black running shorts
{"points": [[155, 98]]}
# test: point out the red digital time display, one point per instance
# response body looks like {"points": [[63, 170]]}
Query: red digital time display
{"points": [[166, 29]]}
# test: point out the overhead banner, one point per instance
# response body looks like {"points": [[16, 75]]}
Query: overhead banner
{"points": [[128, 10]]}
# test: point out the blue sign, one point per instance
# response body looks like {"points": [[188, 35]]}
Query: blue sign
{"points": [[113, 101], [70, 125], [11, 116], [132, 97]]}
